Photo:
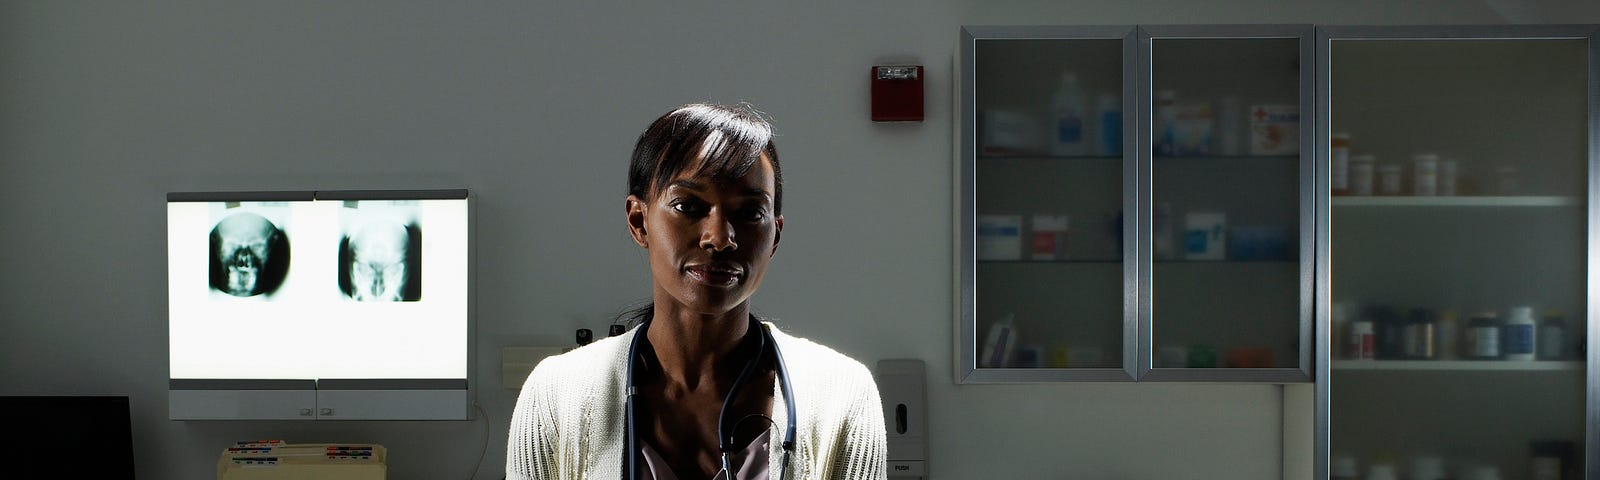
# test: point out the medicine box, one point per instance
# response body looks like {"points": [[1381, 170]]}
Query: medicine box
{"points": [[1258, 243], [1049, 239], [1006, 131], [1192, 132], [1205, 235], [999, 237], [1274, 129]]}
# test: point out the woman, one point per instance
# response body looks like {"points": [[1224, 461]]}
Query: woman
{"points": [[709, 396]]}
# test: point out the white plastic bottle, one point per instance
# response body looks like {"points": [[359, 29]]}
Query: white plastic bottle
{"points": [[1164, 244], [1339, 164], [1166, 113], [1230, 126], [1381, 471], [1068, 111], [1519, 332], [1343, 467], [1108, 125]]}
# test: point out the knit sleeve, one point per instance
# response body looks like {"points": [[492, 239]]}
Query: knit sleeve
{"points": [[863, 452], [530, 446]]}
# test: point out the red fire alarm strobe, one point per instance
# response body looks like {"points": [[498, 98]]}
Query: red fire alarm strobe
{"points": [[897, 93]]}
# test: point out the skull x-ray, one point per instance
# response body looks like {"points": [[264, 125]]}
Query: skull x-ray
{"points": [[249, 255], [380, 254]]}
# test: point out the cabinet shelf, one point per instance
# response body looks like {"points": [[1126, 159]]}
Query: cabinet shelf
{"points": [[1230, 158], [1157, 262], [1461, 201], [1273, 261], [1047, 157], [1459, 365], [1089, 261]]}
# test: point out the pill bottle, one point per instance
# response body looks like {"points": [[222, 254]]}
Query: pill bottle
{"points": [[1421, 335], [1447, 178], [1507, 180], [1425, 174], [1553, 337], [1482, 339], [1449, 335], [1482, 473], [1362, 171], [1363, 343], [1518, 335], [1551, 459], [1381, 471], [1389, 332], [1389, 179], [1427, 467], [1339, 160], [1343, 467]]}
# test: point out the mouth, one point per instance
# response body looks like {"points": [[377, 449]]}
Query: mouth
{"points": [[717, 274]]}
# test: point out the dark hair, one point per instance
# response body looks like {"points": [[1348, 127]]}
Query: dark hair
{"points": [[727, 141]]}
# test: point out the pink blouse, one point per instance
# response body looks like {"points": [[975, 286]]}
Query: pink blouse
{"points": [[748, 464]]}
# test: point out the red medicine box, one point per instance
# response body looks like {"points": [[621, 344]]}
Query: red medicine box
{"points": [[897, 93]]}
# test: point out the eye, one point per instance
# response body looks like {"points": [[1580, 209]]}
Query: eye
{"points": [[753, 214], [689, 207]]}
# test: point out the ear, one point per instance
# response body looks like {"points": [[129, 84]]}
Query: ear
{"points": [[635, 208], [777, 235]]}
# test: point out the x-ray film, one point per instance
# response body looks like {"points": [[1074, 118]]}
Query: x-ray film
{"points": [[380, 251]]}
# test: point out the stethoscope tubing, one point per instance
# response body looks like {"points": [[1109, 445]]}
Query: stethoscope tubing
{"points": [[632, 452]]}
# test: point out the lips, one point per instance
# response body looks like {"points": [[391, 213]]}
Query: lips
{"points": [[720, 274]]}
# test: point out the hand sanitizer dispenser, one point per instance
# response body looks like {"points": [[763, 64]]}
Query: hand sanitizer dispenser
{"points": [[903, 387]]}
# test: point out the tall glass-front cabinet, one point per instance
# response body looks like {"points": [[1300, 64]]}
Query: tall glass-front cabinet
{"points": [[1404, 216], [1135, 204], [1459, 239]]}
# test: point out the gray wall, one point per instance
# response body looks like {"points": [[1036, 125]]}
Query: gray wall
{"points": [[106, 106]]}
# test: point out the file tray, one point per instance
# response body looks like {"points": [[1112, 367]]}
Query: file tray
{"points": [[275, 460]]}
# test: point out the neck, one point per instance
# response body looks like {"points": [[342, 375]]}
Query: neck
{"points": [[698, 349]]}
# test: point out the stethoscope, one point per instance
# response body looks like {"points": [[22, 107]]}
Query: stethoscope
{"points": [[724, 442]]}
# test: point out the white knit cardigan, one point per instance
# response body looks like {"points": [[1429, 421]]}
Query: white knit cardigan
{"points": [[570, 417]]}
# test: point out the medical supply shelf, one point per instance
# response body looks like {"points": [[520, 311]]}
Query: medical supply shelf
{"points": [[1458, 365], [1514, 107], [1512, 111], [1056, 126], [1459, 201]]}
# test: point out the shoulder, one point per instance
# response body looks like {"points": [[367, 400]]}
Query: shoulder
{"points": [[810, 361], [583, 371]]}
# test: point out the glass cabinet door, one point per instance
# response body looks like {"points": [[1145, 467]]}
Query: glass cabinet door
{"points": [[1458, 234], [1226, 203], [1043, 227]]}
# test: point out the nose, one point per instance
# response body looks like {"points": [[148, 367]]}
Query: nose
{"points": [[716, 234]]}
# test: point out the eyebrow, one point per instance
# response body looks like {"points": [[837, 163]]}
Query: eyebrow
{"points": [[697, 186], [689, 184]]}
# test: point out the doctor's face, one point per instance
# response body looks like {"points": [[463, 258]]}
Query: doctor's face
{"points": [[709, 239]]}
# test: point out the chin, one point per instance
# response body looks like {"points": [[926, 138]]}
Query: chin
{"points": [[712, 304]]}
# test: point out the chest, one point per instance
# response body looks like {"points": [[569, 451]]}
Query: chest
{"points": [[682, 426]]}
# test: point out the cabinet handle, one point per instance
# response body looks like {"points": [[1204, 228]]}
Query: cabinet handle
{"points": [[305, 412], [327, 411]]}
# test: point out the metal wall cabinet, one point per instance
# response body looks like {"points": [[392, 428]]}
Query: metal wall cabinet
{"points": [[1103, 256], [1466, 244]]}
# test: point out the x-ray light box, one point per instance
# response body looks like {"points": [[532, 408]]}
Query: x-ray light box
{"points": [[318, 305]]}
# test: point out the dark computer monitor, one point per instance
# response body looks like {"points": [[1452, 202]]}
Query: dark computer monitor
{"points": [[67, 437]]}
